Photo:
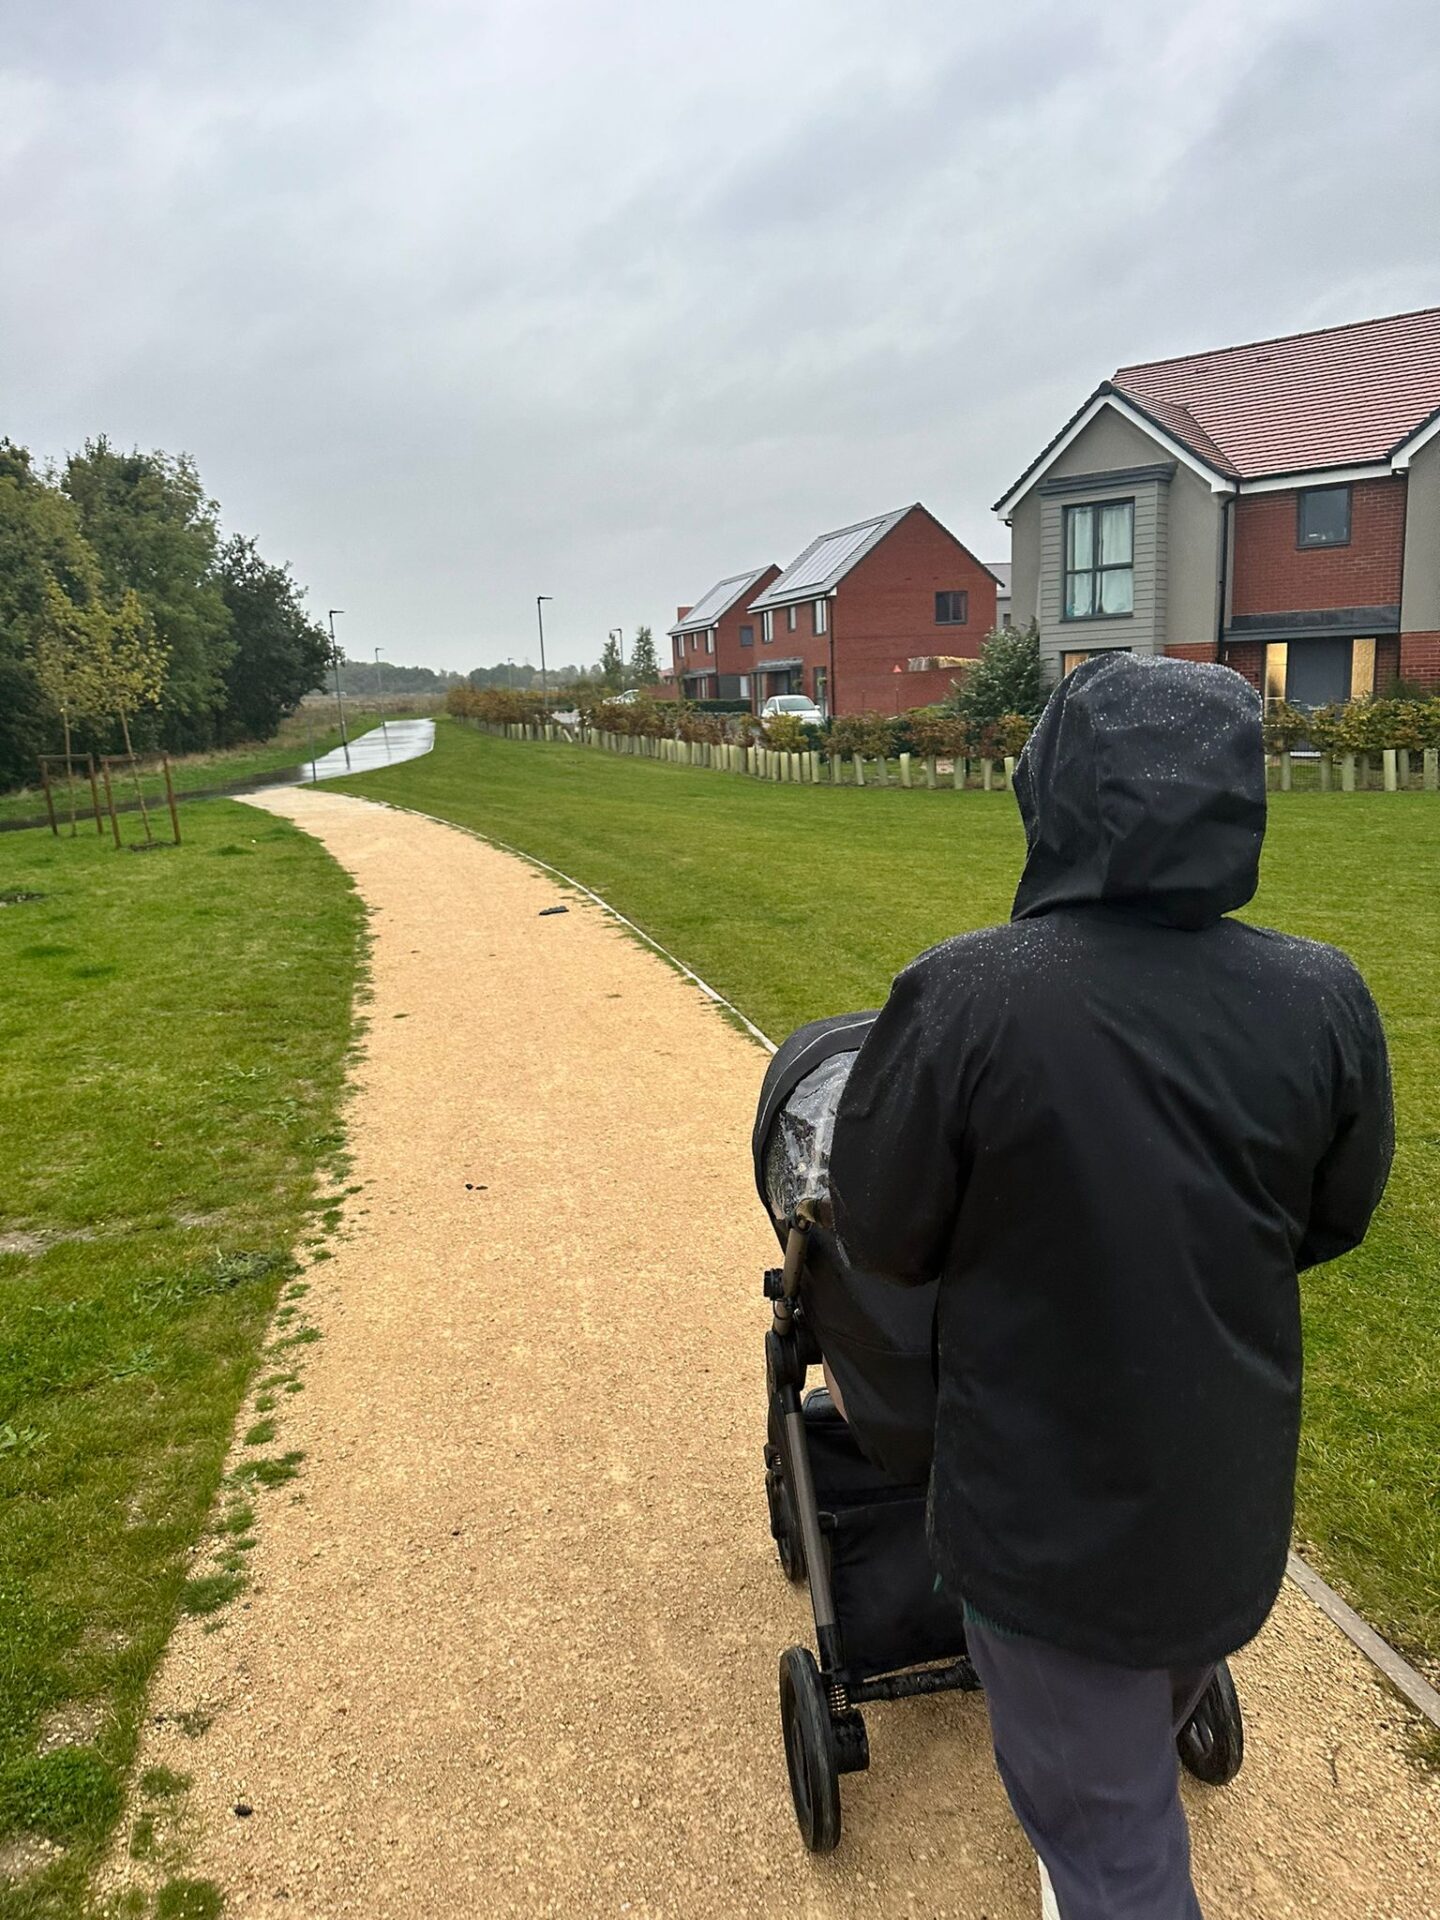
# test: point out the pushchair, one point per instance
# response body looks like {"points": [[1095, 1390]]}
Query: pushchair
{"points": [[846, 1494]]}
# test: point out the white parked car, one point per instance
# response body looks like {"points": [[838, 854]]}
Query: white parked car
{"points": [[626, 699], [798, 706]]}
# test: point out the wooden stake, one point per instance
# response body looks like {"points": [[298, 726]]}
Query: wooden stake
{"points": [[170, 796], [110, 802], [94, 794]]}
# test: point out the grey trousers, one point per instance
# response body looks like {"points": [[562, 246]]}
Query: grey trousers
{"points": [[1087, 1755]]}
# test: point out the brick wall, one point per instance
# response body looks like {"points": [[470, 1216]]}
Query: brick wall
{"points": [[1247, 657], [1420, 658], [730, 656], [1273, 575], [884, 615], [1205, 650]]}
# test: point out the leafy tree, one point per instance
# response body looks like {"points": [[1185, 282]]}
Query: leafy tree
{"points": [[69, 651], [41, 546], [132, 663], [644, 667], [153, 528], [1005, 680], [278, 653], [610, 670]]}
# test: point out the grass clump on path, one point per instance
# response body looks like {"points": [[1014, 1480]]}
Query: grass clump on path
{"points": [[796, 902], [173, 1039]]}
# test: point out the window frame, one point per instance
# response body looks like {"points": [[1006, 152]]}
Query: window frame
{"points": [[747, 636], [1302, 494], [792, 618], [819, 616], [962, 594], [767, 627], [1096, 570]]}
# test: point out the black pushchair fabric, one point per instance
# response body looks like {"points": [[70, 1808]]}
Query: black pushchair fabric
{"points": [[876, 1338]]}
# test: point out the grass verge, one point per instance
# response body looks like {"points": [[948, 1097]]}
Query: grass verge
{"points": [[796, 902], [173, 1040]]}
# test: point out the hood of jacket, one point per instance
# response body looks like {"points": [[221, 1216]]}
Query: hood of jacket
{"points": [[1143, 786]]}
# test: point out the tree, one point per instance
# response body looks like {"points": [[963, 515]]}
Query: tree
{"points": [[70, 648], [278, 654], [1006, 679], [644, 667], [610, 662], [153, 528], [41, 546], [132, 664]]}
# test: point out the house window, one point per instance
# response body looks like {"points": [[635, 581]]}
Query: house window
{"points": [[679, 646], [745, 685], [747, 636], [767, 626], [822, 690], [710, 641], [1322, 517], [1100, 561], [952, 609], [818, 612], [1069, 661], [792, 615]]}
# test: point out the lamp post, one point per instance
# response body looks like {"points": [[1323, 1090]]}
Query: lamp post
{"points": [[339, 698], [544, 681], [617, 634], [380, 692]]}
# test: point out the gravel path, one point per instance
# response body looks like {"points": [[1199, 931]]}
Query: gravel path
{"points": [[511, 1641]]}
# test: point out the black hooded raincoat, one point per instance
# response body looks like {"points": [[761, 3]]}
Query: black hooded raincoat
{"points": [[1117, 1128]]}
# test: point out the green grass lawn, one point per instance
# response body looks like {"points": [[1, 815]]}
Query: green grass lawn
{"points": [[797, 901], [173, 1036], [192, 773]]}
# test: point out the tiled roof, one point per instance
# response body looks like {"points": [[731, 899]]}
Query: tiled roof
{"points": [[827, 560], [718, 601], [1341, 397]]}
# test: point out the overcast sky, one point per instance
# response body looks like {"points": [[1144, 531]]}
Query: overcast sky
{"points": [[456, 303]]}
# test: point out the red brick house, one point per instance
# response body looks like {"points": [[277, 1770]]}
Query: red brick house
{"points": [[714, 641], [873, 617], [1275, 506]]}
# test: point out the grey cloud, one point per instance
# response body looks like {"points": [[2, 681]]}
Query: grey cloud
{"points": [[458, 304]]}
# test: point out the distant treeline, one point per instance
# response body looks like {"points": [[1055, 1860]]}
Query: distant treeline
{"points": [[123, 612]]}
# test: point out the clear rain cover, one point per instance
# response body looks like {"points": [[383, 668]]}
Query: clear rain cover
{"points": [[797, 1153]]}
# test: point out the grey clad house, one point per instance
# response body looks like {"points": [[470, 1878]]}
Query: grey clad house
{"points": [[1275, 506]]}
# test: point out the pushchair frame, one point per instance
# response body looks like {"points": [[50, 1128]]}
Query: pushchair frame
{"points": [[822, 1692]]}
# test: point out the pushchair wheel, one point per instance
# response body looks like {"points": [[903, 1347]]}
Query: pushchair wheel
{"points": [[810, 1755], [1212, 1741]]}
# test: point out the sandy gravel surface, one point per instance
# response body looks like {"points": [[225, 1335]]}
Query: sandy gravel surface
{"points": [[512, 1649]]}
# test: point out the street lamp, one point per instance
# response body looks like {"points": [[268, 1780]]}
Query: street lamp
{"points": [[544, 682], [617, 634], [339, 699], [380, 692]]}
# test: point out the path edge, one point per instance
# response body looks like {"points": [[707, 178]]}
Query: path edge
{"points": [[1404, 1678]]}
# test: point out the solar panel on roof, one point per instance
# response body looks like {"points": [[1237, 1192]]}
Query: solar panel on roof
{"points": [[710, 605], [815, 567]]}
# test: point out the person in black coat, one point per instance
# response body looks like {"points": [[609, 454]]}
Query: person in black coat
{"points": [[1117, 1128]]}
